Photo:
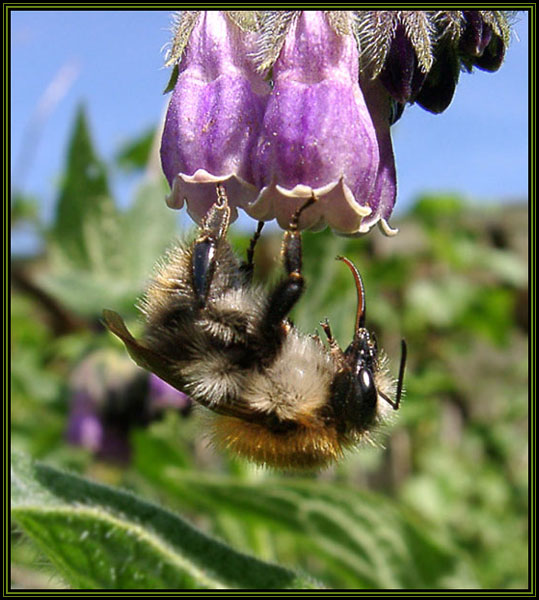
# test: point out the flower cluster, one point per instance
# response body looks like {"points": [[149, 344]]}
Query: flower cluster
{"points": [[278, 104], [109, 396]]}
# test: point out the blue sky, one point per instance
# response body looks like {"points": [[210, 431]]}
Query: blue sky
{"points": [[112, 61]]}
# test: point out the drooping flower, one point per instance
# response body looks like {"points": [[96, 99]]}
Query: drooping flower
{"points": [[109, 396], [384, 193], [214, 115], [317, 134], [335, 81]]}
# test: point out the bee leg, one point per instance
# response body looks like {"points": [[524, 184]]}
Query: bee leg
{"points": [[333, 345], [217, 219], [213, 230], [289, 290], [248, 266], [327, 330], [316, 338]]}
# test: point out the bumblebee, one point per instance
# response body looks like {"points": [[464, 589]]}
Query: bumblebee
{"points": [[277, 397]]}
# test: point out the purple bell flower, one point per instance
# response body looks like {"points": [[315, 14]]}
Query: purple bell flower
{"points": [[383, 196], [214, 117], [318, 134], [319, 121], [84, 426]]}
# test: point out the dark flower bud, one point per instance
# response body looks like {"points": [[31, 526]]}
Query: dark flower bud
{"points": [[441, 82], [401, 74], [475, 34], [493, 55]]}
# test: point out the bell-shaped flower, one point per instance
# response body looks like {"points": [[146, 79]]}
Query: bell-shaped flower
{"points": [[320, 121], [382, 198], [318, 134], [214, 117]]}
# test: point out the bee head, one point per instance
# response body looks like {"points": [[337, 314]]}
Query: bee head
{"points": [[361, 357], [355, 390]]}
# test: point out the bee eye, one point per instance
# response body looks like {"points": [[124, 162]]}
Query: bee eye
{"points": [[366, 386]]}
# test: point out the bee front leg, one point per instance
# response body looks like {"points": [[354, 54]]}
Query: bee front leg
{"points": [[213, 232]]}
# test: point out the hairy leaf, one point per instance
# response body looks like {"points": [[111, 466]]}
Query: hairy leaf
{"points": [[363, 539], [100, 537]]}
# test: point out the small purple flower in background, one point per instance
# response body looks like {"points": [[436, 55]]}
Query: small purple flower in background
{"points": [[165, 397], [278, 104], [109, 396]]}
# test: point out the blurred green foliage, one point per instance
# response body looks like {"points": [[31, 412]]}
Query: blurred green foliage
{"points": [[443, 505]]}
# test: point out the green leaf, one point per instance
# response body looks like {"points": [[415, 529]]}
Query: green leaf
{"points": [[121, 250], [134, 155], [86, 293], [148, 228], [24, 207], [173, 79], [100, 537], [84, 200], [364, 540], [152, 444], [432, 208]]}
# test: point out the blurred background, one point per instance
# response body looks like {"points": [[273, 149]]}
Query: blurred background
{"points": [[441, 500]]}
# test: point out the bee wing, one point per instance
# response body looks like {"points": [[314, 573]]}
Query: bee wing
{"points": [[144, 357], [154, 362]]}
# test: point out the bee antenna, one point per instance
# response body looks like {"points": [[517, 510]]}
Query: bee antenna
{"points": [[396, 403], [360, 315], [401, 372]]}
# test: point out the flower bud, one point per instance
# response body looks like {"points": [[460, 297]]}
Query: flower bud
{"points": [[493, 55], [439, 86], [475, 34], [401, 74], [383, 196], [483, 40]]}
